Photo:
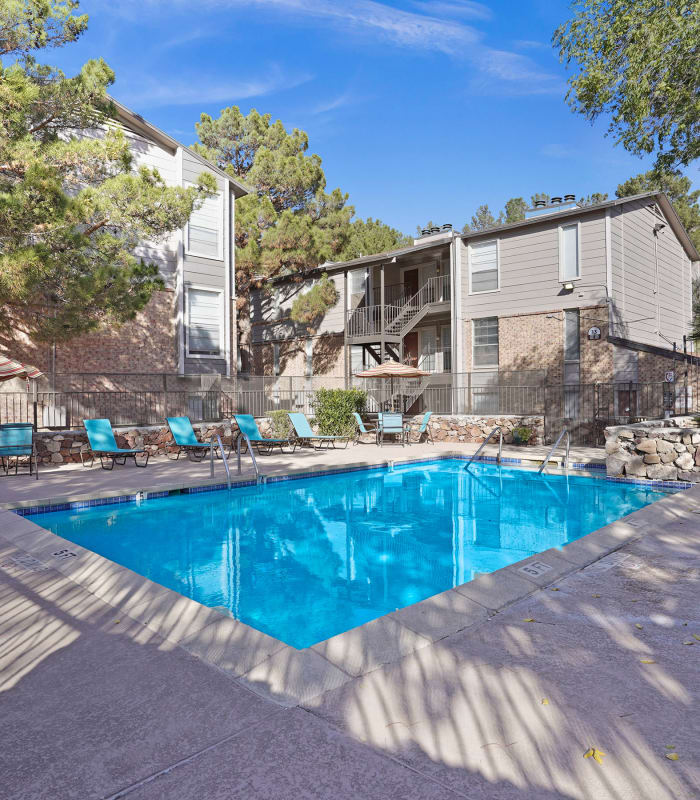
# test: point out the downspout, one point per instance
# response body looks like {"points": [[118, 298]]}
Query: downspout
{"points": [[608, 268]]}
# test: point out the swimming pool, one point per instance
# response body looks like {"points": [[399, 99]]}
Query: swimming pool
{"points": [[306, 559]]}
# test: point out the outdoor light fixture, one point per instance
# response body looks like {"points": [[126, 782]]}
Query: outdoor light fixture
{"points": [[568, 286]]}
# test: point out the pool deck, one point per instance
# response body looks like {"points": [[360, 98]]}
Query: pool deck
{"points": [[113, 686]]}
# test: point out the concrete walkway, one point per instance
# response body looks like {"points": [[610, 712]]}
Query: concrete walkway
{"points": [[98, 705], [73, 481]]}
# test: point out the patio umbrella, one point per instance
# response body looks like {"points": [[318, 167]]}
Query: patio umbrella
{"points": [[392, 369], [9, 368]]}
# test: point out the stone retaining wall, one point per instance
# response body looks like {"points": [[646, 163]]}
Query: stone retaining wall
{"points": [[666, 449], [62, 447]]}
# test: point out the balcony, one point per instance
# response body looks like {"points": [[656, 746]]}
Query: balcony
{"points": [[395, 319]]}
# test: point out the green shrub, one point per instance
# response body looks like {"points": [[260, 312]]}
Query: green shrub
{"points": [[280, 423], [522, 435], [333, 410]]}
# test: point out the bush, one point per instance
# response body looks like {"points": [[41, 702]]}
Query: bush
{"points": [[522, 435], [333, 410], [280, 423]]}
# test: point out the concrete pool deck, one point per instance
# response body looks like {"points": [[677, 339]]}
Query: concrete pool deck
{"points": [[113, 686]]}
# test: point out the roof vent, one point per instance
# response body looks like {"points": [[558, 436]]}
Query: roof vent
{"points": [[425, 232], [447, 226], [435, 229], [555, 201], [540, 203], [569, 198]]}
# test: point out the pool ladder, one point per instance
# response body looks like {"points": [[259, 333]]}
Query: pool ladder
{"points": [[485, 442], [554, 447], [258, 477]]}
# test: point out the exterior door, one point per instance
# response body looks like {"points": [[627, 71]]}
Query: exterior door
{"points": [[410, 282], [427, 349], [410, 348]]}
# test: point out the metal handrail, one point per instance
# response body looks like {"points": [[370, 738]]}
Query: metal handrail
{"points": [[554, 447], [485, 442], [223, 458], [241, 438]]}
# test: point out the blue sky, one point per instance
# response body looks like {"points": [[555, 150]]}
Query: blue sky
{"points": [[420, 110]]}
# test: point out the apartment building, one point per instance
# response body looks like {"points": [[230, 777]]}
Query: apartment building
{"points": [[189, 327], [572, 295]]}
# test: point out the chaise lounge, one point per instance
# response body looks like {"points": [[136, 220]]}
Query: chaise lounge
{"points": [[304, 433], [186, 440], [249, 427], [103, 444]]}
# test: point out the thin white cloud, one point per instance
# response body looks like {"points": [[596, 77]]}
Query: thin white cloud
{"points": [[199, 89], [454, 8], [558, 151], [496, 71], [344, 99], [530, 44]]}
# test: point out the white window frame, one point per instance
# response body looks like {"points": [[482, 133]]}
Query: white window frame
{"points": [[560, 233], [220, 238], [498, 266], [486, 367], [222, 356]]}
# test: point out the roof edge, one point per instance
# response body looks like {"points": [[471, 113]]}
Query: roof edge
{"points": [[137, 121]]}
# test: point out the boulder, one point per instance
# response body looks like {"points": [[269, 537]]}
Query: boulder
{"points": [[662, 446], [687, 438], [662, 472], [652, 458], [685, 461], [625, 434], [646, 446], [668, 458], [692, 477], [636, 466], [679, 448], [615, 464], [612, 446]]}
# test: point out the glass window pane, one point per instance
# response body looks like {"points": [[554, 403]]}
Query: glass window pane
{"points": [[204, 322], [483, 263], [485, 347], [569, 252], [572, 349]]}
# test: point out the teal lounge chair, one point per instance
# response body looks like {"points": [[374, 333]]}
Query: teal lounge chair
{"points": [[303, 432], [362, 428], [391, 424], [17, 441], [424, 429], [104, 445], [186, 440], [248, 426]]}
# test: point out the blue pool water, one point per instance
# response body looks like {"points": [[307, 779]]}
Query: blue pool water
{"points": [[306, 559]]}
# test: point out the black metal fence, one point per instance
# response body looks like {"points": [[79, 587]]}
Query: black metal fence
{"points": [[586, 409]]}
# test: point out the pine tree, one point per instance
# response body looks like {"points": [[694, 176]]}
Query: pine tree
{"points": [[72, 209]]}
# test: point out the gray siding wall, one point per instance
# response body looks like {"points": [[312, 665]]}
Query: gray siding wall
{"points": [[274, 314], [652, 281], [529, 270]]}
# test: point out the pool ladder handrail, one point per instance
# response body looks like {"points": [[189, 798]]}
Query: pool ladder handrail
{"points": [[554, 447], [485, 442], [223, 458], [244, 437]]}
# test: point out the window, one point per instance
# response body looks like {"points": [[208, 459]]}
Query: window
{"points": [[569, 267], [572, 346], [358, 281], [204, 322], [204, 229], [485, 346], [309, 357], [483, 266]]}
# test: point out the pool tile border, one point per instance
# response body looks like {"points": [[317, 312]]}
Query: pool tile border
{"points": [[292, 677], [77, 505]]}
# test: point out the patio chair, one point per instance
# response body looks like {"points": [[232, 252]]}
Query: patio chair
{"points": [[248, 426], [17, 441], [363, 428], [103, 444], [424, 429], [393, 425], [186, 440], [303, 432]]}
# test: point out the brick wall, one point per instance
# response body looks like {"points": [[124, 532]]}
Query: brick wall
{"points": [[327, 357], [146, 344]]}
